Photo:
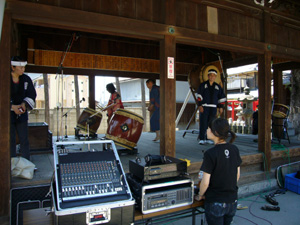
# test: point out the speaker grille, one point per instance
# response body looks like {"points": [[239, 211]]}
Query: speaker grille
{"points": [[30, 197]]}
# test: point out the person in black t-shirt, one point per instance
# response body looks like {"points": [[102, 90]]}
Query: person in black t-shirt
{"points": [[221, 172]]}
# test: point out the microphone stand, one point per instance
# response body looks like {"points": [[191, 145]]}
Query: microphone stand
{"points": [[66, 127], [57, 123], [66, 115], [59, 69]]}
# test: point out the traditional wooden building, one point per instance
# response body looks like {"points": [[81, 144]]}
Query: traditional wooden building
{"points": [[135, 38]]}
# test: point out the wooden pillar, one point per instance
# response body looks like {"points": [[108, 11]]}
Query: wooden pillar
{"points": [[167, 98], [278, 86], [225, 76], [5, 44], [264, 109], [143, 99], [92, 92]]}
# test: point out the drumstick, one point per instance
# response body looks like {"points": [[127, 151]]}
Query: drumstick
{"points": [[100, 107], [94, 114], [107, 107]]}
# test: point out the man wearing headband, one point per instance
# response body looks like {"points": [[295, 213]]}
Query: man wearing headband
{"points": [[22, 99], [210, 96]]}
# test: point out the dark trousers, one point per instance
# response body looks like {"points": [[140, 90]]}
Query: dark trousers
{"points": [[208, 114], [22, 130], [220, 213], [154, 120]]}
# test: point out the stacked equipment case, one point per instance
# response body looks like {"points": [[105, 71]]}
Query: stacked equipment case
{"points": [[90, 186]]}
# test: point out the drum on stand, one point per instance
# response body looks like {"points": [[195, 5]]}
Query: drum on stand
{"points": [[89, 120], [280, 111], [204, 74], [125, 128]]}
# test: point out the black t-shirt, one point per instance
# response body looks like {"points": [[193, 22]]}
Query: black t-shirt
{"points": [[221, 162]]}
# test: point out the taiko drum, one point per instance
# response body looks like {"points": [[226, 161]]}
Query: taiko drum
{"points": [[193, 78], [280, 110], [125, 128], [89, 120], [199, 74]]}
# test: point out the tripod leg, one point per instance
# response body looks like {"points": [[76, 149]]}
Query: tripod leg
{"points": [[193, 116], [66, 127], [286, 130]]}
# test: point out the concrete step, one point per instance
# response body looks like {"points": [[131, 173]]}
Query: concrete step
{"points": [[257, 187], [256, 176]]}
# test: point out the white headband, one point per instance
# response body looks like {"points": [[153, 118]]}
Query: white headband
{"points": [[18, 63], [213, 72]]}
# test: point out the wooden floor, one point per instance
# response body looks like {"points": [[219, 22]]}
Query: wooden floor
{"points": [[186, 148]]}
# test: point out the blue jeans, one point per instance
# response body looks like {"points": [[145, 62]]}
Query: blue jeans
{"points": [[220, 213]]}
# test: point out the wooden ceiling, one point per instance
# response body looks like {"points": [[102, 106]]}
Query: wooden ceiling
{"points": [[134, 28], [59, 42]]}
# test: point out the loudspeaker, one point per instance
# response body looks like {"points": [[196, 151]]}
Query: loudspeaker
{"points": [[24, 198]]}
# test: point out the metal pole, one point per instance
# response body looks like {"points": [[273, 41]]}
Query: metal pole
{"points": [[183, 107]]}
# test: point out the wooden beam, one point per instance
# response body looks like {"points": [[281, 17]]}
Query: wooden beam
{"points": [[286, 66], [95, 72], [240, 62], [167, 98], [215, 41], [291, 54], [278, 87], [88, 72], [65, 18], [92, 104], [5, 78], [264, 109], [96, 61], [104, 62], [248, 160], [71, 19], [58, 17]]}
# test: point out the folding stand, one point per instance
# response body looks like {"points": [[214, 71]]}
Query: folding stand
{"points": [[279, 129], [106, 147], [88, 136], [280, 115], [193, 116]]}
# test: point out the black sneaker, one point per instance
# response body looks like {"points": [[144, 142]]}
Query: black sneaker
{"points": [[270, 208], [271, 200]]}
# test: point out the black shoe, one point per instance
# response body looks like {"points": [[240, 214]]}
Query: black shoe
{"points": [[278, 192], [270, 208], [271, 200]]}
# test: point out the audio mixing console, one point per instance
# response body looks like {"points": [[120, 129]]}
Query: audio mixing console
{"points": [[88, 177]]}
